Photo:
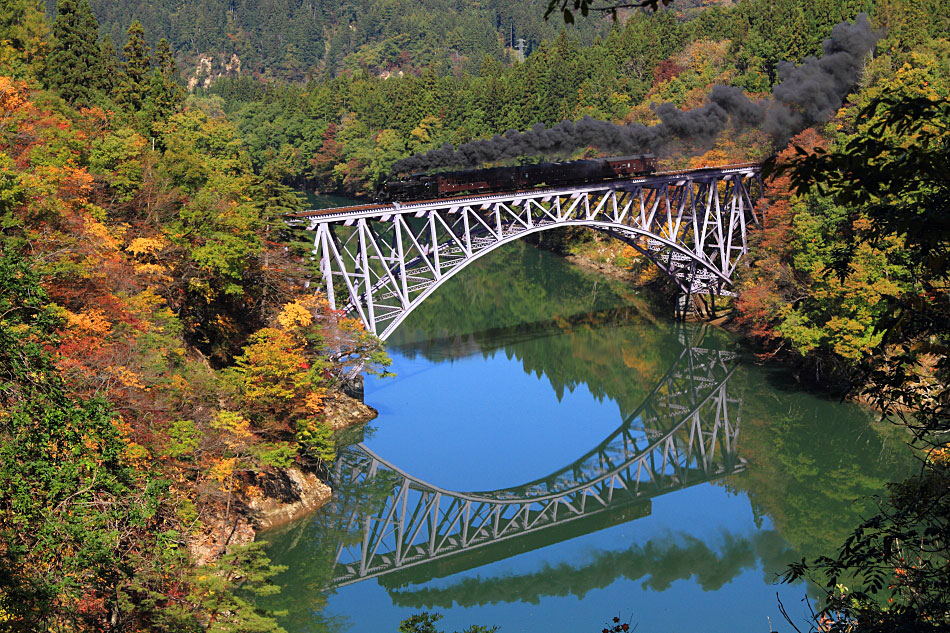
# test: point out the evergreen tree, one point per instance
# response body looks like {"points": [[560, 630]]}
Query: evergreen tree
{"points": [[74, 67], [135, 82], [165, 93], [164, 58], [110, 65]]}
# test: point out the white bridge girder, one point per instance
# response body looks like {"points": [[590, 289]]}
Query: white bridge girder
{"points": [[685, 433], [379, 262]]}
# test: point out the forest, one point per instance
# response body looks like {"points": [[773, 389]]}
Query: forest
{"points": [[161, 357]]}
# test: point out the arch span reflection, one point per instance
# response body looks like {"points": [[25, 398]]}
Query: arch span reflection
{"points": [[685, 433]]}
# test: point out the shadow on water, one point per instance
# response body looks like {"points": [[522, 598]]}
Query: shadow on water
{"points": [[810, 466]]}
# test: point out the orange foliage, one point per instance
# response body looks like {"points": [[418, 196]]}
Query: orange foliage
{"points": [[758, 301]]}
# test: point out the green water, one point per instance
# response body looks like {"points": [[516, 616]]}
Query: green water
{"points": [[514, 370], [327, 200]]}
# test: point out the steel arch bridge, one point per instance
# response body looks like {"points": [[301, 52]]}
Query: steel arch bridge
{"points": [[684, 434], [379, 262]]}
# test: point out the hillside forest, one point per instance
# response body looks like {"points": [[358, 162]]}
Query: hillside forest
{"points": [[162, 359]]}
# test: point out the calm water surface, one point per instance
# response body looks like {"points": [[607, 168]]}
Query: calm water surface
{"points": [[514, 371]]}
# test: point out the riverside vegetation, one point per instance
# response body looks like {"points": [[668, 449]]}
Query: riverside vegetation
{"points": [[161, 357]]}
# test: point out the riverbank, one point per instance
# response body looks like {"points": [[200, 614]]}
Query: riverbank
{"points": [[609, 259], [280, 497], [645, 278]]}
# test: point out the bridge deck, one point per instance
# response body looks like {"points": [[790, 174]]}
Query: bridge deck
{"points": [[383, 260], [659, 176]]}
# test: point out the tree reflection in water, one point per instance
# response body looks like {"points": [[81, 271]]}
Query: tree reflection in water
{"points": [[812, 464]]}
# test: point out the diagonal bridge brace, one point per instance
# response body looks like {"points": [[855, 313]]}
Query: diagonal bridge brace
{"points": [[379, 261]]}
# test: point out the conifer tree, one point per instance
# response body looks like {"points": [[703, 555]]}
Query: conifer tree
{"points": [[135, 82], [74, 66], [164, 58], [165, 93], [110, 65]]}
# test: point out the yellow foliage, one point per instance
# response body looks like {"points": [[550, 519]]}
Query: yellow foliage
{"points": [[146, 245], [122, 427], [137, 454], [99, 235], [150, 269], [293, 315], [233, 422], [223, 469], [715, 156], [12, 94], [940, 456], [129, 378], [178, 383], [273, 367], [702, 55], [92, 322], [314, 401]]}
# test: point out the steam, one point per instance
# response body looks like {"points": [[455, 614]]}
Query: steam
{"points": [[808, 94]]}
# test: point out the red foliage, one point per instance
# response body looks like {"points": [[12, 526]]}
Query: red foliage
{"points": [[770, 283], [666, 70], [331, 153]]}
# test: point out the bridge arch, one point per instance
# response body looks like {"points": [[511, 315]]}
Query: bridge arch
{"points": [[379, 262], [604, 227]]}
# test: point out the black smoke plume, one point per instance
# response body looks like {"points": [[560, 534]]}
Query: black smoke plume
{"points": [[807, 94]]}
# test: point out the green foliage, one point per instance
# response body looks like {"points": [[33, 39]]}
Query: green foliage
{"points": [[277, 455], [184, 438], [905, 196], [110, 65], [891, 174], [298, 40], [346, 132], [134, 84], [223, 590], [166, 95], [24, 39], [118, 159], [12, 192], [425, 623], [119, 442], [75, 62], [68, 500], [316, 440]]}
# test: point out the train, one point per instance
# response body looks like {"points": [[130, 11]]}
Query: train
{"points": [[425, 186]]}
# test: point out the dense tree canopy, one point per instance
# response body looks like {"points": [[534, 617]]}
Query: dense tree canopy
{"points": [[160, 354]]}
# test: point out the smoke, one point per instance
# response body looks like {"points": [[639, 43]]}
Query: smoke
{"points": [[807, 94]]}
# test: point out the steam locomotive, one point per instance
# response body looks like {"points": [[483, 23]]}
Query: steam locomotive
{"points": [[495, 179]]}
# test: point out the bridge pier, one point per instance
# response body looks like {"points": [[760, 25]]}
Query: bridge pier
{"points": [[696, 307], [353, 386]]}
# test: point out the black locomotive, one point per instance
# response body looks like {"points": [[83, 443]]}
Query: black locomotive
{"points": [[496, 179]]}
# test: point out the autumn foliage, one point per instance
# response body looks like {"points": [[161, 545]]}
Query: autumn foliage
{"points": [[161, 354]]}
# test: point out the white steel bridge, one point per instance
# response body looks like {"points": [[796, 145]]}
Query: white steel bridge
{"points": [[380, 261], [685, 433]]}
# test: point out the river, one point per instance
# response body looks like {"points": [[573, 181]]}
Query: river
{"points": [[525, 375]]}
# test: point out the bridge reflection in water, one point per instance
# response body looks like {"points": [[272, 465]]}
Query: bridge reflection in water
{"points": [[685, 433]]}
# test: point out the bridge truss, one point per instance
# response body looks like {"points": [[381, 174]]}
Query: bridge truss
{"points": [[379, 262], [685, 433]]}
